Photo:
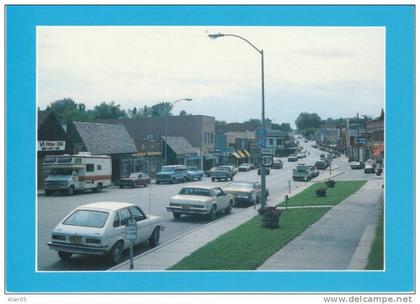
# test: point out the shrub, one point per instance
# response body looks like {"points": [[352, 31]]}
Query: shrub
{"points": [[330, 183], [321, 191]]}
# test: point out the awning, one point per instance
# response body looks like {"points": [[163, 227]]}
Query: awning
{"points": [[241, 154], [236, 155], [246, 153]]}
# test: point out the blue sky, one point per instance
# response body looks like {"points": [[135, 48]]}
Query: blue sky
{"points": [[333, 71]]}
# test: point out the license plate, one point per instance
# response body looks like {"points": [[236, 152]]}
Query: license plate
{"points": [[75, 239], [185, 206]]}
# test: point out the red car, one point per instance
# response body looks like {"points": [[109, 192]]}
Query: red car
{"points": [[135, 179]]}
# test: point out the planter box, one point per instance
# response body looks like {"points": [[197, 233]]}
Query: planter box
{"points": [[270, 217], [321, 192]]}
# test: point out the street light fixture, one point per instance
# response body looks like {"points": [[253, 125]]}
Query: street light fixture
{"points": [[261, 52], [166, 125]]}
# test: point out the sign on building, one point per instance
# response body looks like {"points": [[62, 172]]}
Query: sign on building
{"points": [[48, 145]]}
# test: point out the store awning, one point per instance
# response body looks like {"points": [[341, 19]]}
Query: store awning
{"points": [[246, 153], [241, 154], [236, 155]]}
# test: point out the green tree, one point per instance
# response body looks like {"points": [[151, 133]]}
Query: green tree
{"points": [[109, 111], [308, 122], [67, 109], [182, 113]]}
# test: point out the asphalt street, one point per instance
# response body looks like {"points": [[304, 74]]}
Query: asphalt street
{"points": [[152, 200]]}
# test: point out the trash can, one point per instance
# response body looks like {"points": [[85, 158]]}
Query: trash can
{"points": [[270, 217]]}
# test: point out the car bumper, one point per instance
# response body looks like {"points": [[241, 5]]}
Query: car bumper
{"points": [[187, 210], [78, 249]]}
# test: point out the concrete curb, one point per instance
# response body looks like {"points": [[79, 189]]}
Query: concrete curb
{"points": [[361, 255]]}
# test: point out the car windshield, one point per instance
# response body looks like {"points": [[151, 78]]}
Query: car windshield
{"points": [[87, 218], [134, 175], [168, 169], [195, 191], [61, 171], [241, 185], [221, 169]]}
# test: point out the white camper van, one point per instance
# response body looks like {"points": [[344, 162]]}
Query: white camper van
{"points": [[80, 172]]}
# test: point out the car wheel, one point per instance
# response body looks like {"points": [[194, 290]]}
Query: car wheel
{"points": [[173, 181], [212, 214], [154, 238], [157, 183], [116, 253], [71, 190], [228, 210], [48, 192], [184, 180], [133, 185], [176, 215], [65, 256], [121, 186], [199, 178], [212, 179], [145, 185]]}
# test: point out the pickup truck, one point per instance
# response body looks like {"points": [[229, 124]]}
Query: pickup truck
{"points": [[222, 172], [194, 173], [302, 173], [172, 174]]}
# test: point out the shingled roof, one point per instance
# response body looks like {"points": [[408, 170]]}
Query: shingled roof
{"points": [[100, 138], [179, 145]]}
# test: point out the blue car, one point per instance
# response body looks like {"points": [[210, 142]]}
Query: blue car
{"points": [[172, 174], [195, 173]]}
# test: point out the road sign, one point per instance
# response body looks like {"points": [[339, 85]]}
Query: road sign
{"points": [[260, 137], [267, 160], [131, 231], [268, 151]]}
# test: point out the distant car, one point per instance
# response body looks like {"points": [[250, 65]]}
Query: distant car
{"points": [[277, 163], [172, 174], [221, 173], [314, 171], [267, 170], [208, 172], [369, 168], [245, 167], [194, 173], [135, 179], [99, 228], [232, 168], [357, 165], [292, 158], [322, 164], [245, 193], [205, 200]]}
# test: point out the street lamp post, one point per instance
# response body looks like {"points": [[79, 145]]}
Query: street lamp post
{"points": [[166, 126], [261, 52]]}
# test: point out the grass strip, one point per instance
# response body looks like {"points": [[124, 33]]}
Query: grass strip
{"points": [[376, 255], [341, 191], [250, 245]]}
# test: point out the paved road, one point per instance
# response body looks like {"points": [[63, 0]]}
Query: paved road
{"points": [[153, 200]]}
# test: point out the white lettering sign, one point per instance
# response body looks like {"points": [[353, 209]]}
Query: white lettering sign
{"points": [[48, 145]]}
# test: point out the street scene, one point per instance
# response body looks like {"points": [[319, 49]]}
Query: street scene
{"points": [[244, 170]]}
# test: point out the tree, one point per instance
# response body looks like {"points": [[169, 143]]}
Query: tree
{"points": [[108, 111], [67, 109], [182, 113], [308, 121]]}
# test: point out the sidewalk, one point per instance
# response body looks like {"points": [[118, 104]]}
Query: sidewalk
{"points": [[340, 240]]}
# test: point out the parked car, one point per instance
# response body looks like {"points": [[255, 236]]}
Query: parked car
{"points": [[322, 164], [277, 163], [221, 173], [98, 229], [245, 167], [135, 179], [172, 174], [208, 172], [369, 168], [245, 193], [205, 200], [302, 172], [267, 170], [314, 171], [292, 158], [357, 165], [232, 168], [194, 173]]}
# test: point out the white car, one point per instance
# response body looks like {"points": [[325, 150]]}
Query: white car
{"points": [[207, 200], [99, 228]]}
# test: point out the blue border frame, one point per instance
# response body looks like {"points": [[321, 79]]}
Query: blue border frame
{"points": [[20, 162]]}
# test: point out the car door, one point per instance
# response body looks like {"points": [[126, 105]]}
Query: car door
{"points": [[125, 217], [222, 198], [143, 224]]}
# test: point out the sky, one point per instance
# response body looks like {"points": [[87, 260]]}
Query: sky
{"points": [[333, 71]]}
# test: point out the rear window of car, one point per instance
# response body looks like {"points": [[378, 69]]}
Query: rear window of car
{"points": [[87, 218], [241, 185], [195, 191]]}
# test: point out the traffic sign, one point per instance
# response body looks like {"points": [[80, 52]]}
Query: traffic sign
{"points": [[268, 151], [131, 231], [267, 160]]}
